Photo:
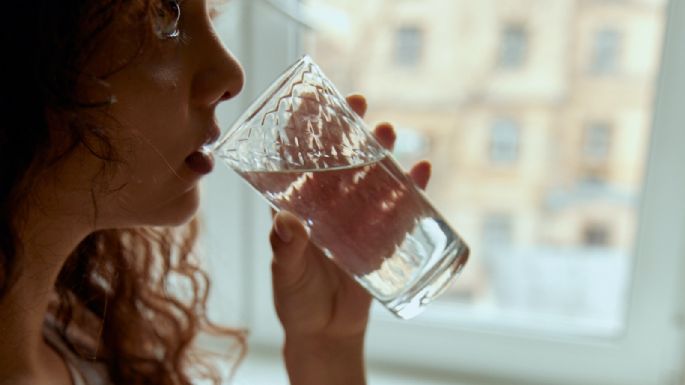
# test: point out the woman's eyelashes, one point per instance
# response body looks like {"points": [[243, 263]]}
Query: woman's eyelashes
{"points": [[168, 19]]}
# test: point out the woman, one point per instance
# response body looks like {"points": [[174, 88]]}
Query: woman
{"points": [[106, 104]]}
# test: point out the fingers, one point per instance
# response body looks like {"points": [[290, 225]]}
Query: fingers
{"points": [[358, 104], [385, 134], [421, 173], [289, 239]]}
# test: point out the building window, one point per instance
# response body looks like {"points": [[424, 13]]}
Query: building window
{"points": [[513, 47], [596, 235], [408, 46], [504, 141], [597, 141], [606, 47], [497, 230]]}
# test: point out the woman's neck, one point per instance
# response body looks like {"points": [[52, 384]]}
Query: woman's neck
{"points": [[46, 243]]}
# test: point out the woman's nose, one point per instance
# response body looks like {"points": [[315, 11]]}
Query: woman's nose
{"points": [[220, 76]]}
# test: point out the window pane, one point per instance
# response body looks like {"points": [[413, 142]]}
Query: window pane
{"points": [[606, 50], [597, 141], [408, 46], [504, 141], [552, 232], [513, 47]]}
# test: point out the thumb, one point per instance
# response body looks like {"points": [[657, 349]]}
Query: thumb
{"points": [[289, 239]]}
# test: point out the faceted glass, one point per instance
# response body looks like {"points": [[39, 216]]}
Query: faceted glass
{"points": [[304, 150]]}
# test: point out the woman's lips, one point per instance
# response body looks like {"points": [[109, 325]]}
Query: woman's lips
{"points": [[201, 162]]}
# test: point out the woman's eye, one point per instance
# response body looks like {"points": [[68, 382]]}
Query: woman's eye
{"points": [[168, 17]]}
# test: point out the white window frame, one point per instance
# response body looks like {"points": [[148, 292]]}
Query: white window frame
{"points": [[649, 352]]}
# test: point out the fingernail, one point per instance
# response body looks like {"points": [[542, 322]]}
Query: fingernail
{"points": [[283, 231], [388, 130]]}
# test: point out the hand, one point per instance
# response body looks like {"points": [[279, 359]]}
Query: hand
{"points": [[322, 309]]}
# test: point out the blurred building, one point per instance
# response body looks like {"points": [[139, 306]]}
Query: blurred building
{"points": [[536, 115]]}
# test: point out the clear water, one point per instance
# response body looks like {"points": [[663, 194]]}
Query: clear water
{"points": [[374, 222]]}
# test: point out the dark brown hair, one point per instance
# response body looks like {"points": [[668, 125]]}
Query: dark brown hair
{"points": [[115, 284]]}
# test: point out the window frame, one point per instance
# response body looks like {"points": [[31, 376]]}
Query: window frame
{"points": [[649, 351]]}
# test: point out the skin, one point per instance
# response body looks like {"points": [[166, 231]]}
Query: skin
{"points": [[165, 108]]}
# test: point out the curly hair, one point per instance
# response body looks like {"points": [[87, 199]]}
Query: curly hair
{"points": [[120, 278]]}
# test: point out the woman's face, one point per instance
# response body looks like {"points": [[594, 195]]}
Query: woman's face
{"points": [[164, 111]]}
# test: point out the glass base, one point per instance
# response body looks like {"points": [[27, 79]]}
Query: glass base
{"points": [[413, 301]]}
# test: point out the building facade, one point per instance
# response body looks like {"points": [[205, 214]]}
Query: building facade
{"points": [[536, 115]]}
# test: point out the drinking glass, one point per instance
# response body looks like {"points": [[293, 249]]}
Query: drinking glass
{"points": [[304, 150]]}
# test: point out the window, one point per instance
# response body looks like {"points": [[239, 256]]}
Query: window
{"points": [[513, 47], [592, 315], [408, 46], [596, 235], [596, 141], [504, 141], [605, 53]]}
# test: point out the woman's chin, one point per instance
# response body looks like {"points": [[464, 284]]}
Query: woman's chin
{"points": [[180, 211], [176, 212]]}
